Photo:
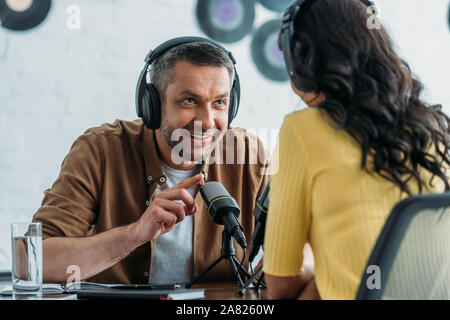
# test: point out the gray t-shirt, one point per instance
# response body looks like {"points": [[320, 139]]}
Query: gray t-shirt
{"points": [[172, 257]]}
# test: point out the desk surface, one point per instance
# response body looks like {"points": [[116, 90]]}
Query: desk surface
{"points": [[229, 291], [213, 291]]}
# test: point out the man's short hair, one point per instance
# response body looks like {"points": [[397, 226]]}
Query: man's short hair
{"points": [[198, 53]]}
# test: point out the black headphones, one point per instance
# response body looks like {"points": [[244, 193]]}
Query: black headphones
{"points": [[148, 103], [287, 30]]}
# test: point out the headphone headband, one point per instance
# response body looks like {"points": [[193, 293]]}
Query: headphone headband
{"points": [[175, 42]]}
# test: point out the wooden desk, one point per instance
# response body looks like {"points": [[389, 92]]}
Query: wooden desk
{"points": [[229, 291]]}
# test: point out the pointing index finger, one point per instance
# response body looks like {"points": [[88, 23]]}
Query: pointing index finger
{"points": [[189, 182]]}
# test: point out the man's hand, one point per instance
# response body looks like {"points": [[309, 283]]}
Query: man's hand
{"points": [[97, 253], [165, 212]]}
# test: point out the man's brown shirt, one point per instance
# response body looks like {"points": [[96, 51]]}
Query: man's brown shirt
{"points": [[109, 178]]}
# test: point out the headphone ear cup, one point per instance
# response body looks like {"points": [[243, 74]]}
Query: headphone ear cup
{"points": [[154, 107], [144, 111], [140, 90], [232, 107], [150, 107], [235, 96]]}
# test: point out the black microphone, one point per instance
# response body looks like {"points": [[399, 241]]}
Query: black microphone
{"points": [[260, 213], [223, 209]]}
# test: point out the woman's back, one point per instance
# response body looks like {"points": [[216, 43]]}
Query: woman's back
{"points": [[339, 207], [335, 188]]}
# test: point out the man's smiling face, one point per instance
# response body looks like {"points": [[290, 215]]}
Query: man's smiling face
{"points": [[195, 107]]}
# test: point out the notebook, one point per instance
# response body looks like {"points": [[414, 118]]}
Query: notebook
{"points": [[141, 294], [76, 287]]}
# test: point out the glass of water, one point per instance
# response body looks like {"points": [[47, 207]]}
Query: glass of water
{"points": [[26, 239]]}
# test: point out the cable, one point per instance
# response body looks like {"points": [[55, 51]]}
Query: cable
{"points": [[242, 261], [251, 269]]}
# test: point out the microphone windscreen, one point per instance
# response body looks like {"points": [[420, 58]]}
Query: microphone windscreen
{"points": [[212, 190]]}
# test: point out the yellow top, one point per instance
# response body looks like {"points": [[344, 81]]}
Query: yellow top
{"points": [[321, 195]]}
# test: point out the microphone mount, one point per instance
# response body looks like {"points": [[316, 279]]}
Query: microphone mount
{"points": [[227, 253]]}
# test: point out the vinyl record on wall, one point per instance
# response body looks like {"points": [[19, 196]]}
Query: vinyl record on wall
{"points": [[276, 5], [22, 15], [226, 20], [268, 58]]}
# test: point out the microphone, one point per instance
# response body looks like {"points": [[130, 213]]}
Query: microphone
{"points": [[223, 209], [260, 213]]}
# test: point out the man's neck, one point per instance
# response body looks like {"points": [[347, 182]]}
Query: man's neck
{"points": [[165, 154]]}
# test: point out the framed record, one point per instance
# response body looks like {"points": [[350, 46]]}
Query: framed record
{"points": [[226, 20], [22, 15], [276, 5], [268, 58]]}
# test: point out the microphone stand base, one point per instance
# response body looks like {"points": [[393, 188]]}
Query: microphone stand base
{"points": [[250, 281], [227, 253]]}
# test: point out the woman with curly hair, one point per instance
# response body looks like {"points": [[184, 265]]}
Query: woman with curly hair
{"points": [[366, 141]]}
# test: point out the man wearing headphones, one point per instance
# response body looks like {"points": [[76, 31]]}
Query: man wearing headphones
{"points": [[124, 209]]}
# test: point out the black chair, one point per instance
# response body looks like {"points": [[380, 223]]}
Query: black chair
{"points": [[412, 253]]}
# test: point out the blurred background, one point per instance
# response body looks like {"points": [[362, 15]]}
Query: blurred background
{"points": [[69, 65]]}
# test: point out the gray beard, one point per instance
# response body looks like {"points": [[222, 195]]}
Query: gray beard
{"points": [[195, 154]]}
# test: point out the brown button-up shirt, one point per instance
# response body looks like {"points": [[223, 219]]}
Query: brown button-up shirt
{"points": [[109, 178]]}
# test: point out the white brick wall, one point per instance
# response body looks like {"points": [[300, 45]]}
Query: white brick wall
{"points": [[55, 82]]}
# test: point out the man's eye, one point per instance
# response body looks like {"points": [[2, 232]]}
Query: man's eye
{"points": [[221, 103], [189, 101]]}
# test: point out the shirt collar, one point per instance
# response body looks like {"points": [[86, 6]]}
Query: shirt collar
{"points": [[153, 169]]}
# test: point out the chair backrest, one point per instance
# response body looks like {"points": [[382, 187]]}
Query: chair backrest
{"points": [[412, 253]]}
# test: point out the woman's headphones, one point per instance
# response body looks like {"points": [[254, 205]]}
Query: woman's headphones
{"points": [[148, 102], [287, 30]]}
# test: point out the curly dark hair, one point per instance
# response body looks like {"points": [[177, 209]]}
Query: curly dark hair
{"points": [[369, 91]]}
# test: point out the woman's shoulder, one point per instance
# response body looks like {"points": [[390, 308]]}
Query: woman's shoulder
{"points": [[320, 135], [310, 121]]}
